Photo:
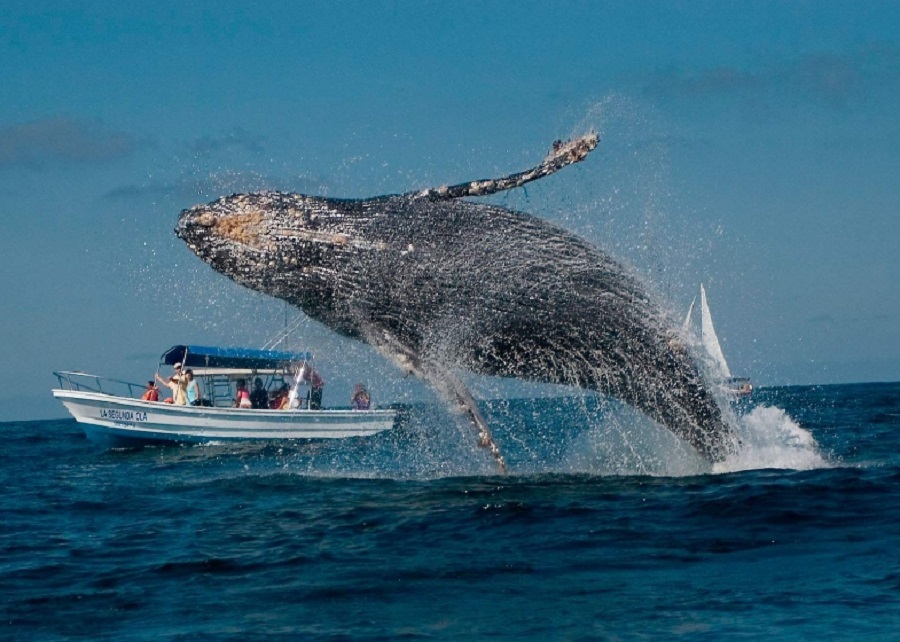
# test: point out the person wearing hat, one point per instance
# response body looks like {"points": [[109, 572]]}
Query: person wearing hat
{"points": [[177, 384]]}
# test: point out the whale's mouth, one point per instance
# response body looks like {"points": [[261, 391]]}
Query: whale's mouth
{"points": [[195, 227]]}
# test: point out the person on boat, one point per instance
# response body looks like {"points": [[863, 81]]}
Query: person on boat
{"points": [[259, 398], [284, 398], [308, 375], [192, 390], [242, 398], [280, 398], [360, 399], [177, 383], [151, 393]]}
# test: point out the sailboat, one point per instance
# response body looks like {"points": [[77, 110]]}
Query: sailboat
{"points": [[737, 386]]}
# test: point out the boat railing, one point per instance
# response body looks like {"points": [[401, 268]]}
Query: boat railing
{"points": [[84, 382]]}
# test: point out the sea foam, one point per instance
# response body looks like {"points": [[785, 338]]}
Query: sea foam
{"points": [[771, 439]]}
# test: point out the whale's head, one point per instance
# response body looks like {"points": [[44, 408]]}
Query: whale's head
{"points": [[290, 246]]}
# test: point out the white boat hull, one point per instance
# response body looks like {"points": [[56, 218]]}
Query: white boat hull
{"points": [[108, 418]]}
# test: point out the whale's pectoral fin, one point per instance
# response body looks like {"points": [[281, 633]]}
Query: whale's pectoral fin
{"points": [[451, 387], [442, 380], [562, 154]]}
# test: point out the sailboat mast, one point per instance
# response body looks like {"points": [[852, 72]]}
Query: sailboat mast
{"points": [[687, 319]]}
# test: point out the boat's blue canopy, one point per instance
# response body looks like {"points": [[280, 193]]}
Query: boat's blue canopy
{"points": [[245, 358]]}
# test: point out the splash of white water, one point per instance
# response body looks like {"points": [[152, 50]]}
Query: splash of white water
{"points": [[627, 443], [771, 439]]}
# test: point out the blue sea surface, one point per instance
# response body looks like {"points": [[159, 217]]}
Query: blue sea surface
{"points": [[602, 530]]}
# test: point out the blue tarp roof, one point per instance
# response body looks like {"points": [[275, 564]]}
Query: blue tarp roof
{"points": [[213, 357]]}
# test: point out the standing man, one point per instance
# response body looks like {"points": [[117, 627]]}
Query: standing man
{"points": [[309, 376], [177, 384]]}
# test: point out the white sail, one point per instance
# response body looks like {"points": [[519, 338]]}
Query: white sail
{"points": [[709, 338]]}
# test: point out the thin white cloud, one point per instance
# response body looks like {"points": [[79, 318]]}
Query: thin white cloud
{"points": [[829, 79], [238, 138], [828, 319], [61, 140], [215, 185]]}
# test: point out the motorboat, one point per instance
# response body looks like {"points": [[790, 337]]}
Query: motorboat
{"points": [[113, 413]]}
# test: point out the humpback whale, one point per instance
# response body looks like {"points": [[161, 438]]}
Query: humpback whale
{"points": [[440, 284]]}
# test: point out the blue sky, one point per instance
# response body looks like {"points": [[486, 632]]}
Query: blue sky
{"points": [[753, 146]]}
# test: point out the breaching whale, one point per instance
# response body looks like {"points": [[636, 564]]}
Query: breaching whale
{"points": [[440, 284]]}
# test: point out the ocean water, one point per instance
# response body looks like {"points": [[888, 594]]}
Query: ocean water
{"points": [[605, 529]]}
